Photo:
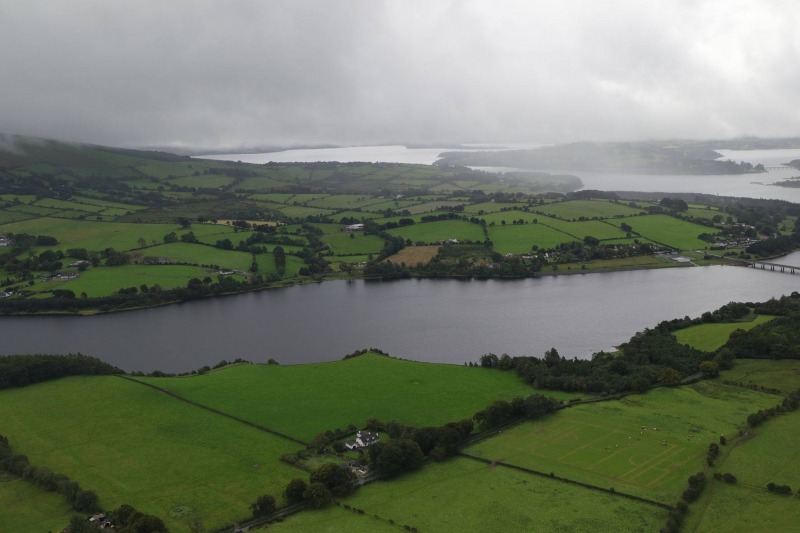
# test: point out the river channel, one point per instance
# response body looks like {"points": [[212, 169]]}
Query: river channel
{"points": [[427, 320]]}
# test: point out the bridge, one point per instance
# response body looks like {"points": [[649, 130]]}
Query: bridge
{"points": [[763, 265], [779, 167]]}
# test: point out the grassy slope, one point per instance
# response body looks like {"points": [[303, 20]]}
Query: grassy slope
{"points": [[709, 337], [574, 443], [433, 232], [668, 230], [783, 375], [464, 495], [769, 456], [25, 508], [104, 281], [303, 400], [134, 445], [519, 239]]}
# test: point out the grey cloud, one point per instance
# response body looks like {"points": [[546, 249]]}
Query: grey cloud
{"points": [[281, 72]]}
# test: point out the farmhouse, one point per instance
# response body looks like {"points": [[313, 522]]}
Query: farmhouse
{"points": [[4, 241], [363, 439], [354, 227]]}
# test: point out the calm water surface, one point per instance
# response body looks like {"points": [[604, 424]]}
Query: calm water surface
{"points": [[429, 320]]}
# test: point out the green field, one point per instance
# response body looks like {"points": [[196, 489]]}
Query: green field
{"points": [[604, 443], [518, 239], [668, 230], [574, 209], [341, 243], [107, 280], [132, 444], [101, 235], [709, 337], [201, 255], [26, 508], [413, 393], [464, 495], [759, 460], [783, 374], [435, 232]]}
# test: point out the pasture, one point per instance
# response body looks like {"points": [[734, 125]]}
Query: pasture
{"points": [[783, 374], [668, 230], [614, 443], [709, 337], [103, 281], [519, 239], [200, 254], [575, 209], [465, 495], [132, 444], [345, 243], [26, 508], [435, 232], [764, 458], [347, 391]]}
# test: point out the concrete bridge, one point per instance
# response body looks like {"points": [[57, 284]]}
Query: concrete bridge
{"points": [[773, 267], [779, 167]]}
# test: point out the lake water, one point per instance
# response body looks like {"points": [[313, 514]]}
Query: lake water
{"points": [[429, 320], [743, 185]]}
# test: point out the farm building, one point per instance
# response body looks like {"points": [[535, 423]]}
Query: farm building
{"points": [[363, 439]]}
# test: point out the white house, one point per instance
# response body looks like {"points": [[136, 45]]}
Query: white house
{"points": [[363, 439]]}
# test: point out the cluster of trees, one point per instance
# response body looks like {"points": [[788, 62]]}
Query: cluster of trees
{"points": [[697, 483], [779, 489], [21, 370], [125, 519], [649, 357], [790, 403], [777, 339], [18, 465], [726, 477]]}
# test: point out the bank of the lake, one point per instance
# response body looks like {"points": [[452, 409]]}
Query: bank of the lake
{"points": [[429, 320]]}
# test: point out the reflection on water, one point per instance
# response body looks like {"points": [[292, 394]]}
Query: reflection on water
{"points": [[429, 320]]}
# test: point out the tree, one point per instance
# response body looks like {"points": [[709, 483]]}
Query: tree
{"points": [[710, 369], [295, 491], [142, 242], [86, 501], [263, 506], [170, 237], [318, 495], [669, 377], [340, 480]]}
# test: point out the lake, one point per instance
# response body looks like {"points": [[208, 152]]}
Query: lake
{"points": [[445, 321], [743, 185]]}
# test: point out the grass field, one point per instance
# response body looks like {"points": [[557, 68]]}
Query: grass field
{"points": [[106, 280], [413, 393], [26, 508], [434, 232], [604, 444], [464, 495], [132, 444], [201, 255], [121, 236], [783, 375], [668, 230], [709, 337], [748, 506], [574, 209], [341, 243], [518, 239]]}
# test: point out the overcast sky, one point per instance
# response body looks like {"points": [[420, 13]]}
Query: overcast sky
{"points": [[233, 73]]}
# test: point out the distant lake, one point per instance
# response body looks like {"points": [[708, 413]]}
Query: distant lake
{"points": [[743, 185], [445, 321]]}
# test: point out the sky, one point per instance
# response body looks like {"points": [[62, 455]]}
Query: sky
{"points": [[198, 73]]}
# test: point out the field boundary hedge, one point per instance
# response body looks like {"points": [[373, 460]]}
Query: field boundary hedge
{"points": [[567, 480]]}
